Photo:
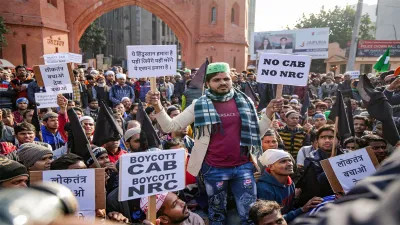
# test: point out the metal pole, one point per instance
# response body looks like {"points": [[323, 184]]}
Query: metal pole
{"points": [[354, 37], [395, 32]]}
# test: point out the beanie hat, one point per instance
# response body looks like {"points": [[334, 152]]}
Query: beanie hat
{"points": [[25, 100], [188, 71], [319, 115], [290, 112], [50, 115], [144, 202], [294, 101], [30, 153], [99, 77], [218, 67], [10, 169], [125, 98], [97, 152], [271, 156]]}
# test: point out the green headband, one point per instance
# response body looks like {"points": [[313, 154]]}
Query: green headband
{"points": [[218, 67]]}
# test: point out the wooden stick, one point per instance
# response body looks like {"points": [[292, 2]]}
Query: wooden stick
{"points": [[279, 88], [333, 154], [152, 211], [153, 84]]}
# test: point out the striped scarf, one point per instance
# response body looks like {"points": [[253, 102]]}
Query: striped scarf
{"points": [[206, 116]]}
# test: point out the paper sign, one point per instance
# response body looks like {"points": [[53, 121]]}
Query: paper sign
{"points": [[80, 182], [62, 58], [354, 74], [149, 173], [56, 78], [283, 69], [349, 168], [151, 60], [46, 100]]}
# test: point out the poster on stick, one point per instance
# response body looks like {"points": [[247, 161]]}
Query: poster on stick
{"points": [[56, 78], [150, 173], [354, 74], [284, 69], [344, 171], [151, 60], [46, 100], [62, 58]]}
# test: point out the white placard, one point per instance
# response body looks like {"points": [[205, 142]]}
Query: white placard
{"points": [[46, 100], [149, 173], [80, 182], [352, 167], [151, 60], [62, 58], [354, 74], [283, 69], [56, 78]]}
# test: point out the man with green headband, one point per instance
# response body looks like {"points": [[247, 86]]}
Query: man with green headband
{"points": [[225, 128]]}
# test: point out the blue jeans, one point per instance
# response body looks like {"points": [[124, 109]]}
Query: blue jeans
{"points": [[243, 186]]}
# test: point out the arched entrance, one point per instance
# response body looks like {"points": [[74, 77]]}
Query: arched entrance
{"points": [[78, 19]]}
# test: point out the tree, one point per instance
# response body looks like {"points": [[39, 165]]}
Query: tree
{"points": [[3, 30], [93, 39], [340, 21]]}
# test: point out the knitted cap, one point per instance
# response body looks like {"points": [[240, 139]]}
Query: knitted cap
{"points": [[30, 153], [129, 133], [97, 152], [50, 115], [99, 77], [22, 99], [218, 67], [110, 72], [10, 169], [271, 156]]}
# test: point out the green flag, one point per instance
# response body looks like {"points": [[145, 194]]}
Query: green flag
{"points": [[383, 62]]}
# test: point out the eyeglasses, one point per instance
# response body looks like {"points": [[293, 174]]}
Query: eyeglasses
{"points": [[89, 124], [378, 147]]}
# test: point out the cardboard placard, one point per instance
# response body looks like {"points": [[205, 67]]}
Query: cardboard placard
{"points": [[39, 78], [64, 57], [151, 173], [354, 74], [344, 171], [151, 60], [45, 100], [88, 185], [284, 69]]}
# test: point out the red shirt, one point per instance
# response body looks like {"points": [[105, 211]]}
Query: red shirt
{"points": [[224, 149], [114, 157], [18, 118]]}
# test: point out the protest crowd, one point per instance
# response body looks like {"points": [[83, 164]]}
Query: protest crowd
{"points": [[251, 157]]}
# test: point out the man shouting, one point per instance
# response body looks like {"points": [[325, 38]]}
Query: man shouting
{"points": [[225, 127]]}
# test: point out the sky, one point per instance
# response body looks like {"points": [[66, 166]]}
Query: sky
{"points": [[273, 15]]}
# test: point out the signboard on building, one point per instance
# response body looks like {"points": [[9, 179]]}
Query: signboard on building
{"points": [[313, 42], [376, 48]]}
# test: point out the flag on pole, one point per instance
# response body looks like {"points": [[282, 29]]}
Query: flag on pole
{"points": [[378, 108], [36, 123], [306, 104], [77, 140], [349, 112], [249, 91], [107, 129], [338, 110], [198, 79], [147, 128], [383, 62]]}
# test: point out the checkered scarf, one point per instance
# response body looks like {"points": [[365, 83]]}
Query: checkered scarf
{"points": [[206, 117]]}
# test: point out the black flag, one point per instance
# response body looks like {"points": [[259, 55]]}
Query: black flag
{"points": [[338, 110], [107, 129], [147, 128], [36, 123], [198, 79], [350, 117], [77, 140], [378, 108], [249, 91], [306, 104]]}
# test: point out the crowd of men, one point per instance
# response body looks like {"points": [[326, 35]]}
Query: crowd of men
{"points": [[222, 129]]}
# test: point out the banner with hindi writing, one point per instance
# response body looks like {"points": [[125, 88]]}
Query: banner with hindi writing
{"points": [[344, 171], [151, 60], [80, 182], [64, 57]]}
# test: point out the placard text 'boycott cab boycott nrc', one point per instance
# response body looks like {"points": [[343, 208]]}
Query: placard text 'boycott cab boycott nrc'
{"points": [[149, 173]]}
